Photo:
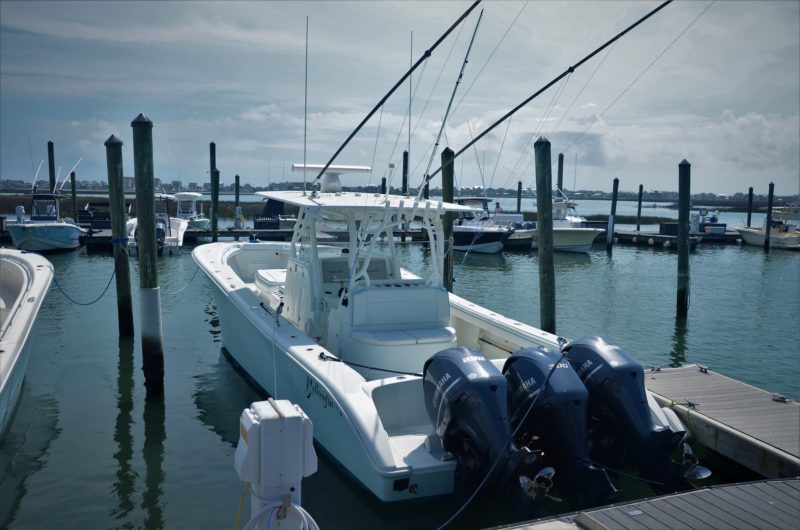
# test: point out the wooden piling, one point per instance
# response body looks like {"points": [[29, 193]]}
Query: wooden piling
{"points": [[405, 172], [213, 175], [610, 229], [684, 194], [214, 204], [149, 294], [560, 171], [74, 197], [449, 218], [519, 196], [236, 190], [749, 205], [51, 162], [544, 234], [119, 235], [768, 221], [383, 185], [426, 191], [639, 209]]}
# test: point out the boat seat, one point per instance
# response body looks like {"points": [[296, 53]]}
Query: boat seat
{"points": [[270, 278], [396, 326]]}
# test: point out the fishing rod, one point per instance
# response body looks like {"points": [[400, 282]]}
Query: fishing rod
{"points": [[565, 73], [68, 173], [422, 59], [36, 175], [450, 103]]}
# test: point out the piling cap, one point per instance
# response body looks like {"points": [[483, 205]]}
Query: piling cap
{"points": [[684, 162], [542, 140], [448, 152], [141, 121], [112, 140]]}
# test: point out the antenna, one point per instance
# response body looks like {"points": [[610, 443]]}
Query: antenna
{"points": [[410, 64], [305, 114], [36, 175]]}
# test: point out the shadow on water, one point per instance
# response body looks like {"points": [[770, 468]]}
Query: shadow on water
{"points": [[23, 452], [124, 485], [677, 357]]}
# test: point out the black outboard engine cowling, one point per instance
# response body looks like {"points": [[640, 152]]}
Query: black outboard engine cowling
{"points": [[557, 423], [620, 415], [465, 396]]}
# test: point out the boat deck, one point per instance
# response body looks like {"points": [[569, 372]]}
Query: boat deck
{"points": [[753, 505]]}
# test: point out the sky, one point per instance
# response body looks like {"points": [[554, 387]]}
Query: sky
{"points": [[715, 83]]}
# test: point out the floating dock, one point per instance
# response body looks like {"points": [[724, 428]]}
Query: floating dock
{"points": [[754, 505], [757, 429], [652, 239]]}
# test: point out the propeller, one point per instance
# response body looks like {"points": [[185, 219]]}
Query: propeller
{"points": [[540, 485], [692, 470]]}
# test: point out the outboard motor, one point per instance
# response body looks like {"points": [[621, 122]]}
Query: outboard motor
{"points": [[621, 427], [161, 234], [465, 396], [552, 418]]}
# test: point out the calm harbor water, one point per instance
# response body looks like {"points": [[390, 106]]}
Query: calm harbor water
{"points": [[84, 451]]}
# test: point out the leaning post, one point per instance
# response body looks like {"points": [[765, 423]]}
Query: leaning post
{"points": [[639, 209], [544, 234], [149, 293], [449, 218], [74, 197], [684, 193], [768, 221], [610, 228], [119, 235]]}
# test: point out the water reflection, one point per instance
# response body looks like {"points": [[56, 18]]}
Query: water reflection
{"points": [[124, 485], [153, 454], [33, 428], [677, 357], [220, 397]]}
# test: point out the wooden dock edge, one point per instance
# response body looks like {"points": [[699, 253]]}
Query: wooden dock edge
{"points": [[752, 453]]}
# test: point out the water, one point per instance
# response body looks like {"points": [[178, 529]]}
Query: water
{"points": [[85, 452]]}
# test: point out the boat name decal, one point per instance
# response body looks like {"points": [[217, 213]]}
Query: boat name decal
{"points": [[314, 388]]}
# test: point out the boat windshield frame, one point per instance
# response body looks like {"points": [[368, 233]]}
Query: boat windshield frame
{"points": [[367, 217]]}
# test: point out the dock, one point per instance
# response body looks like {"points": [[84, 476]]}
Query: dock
{"points": [[757, 429], [652, 239], [753, 505]]}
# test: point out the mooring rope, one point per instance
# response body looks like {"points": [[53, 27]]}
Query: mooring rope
{"points": [[325, 357], [114, 272]]}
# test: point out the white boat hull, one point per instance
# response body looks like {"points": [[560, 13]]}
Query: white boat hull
{"points": [[24, 281], [755, 236], [173, 239], [42, 237], [376, 429], [572, 239]]}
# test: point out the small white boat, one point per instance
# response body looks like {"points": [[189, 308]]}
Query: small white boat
{"points": [[783, 232], [24, 281], [187, 209], [44, 230], [569, 229], [402, 379], [169, 230]]}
